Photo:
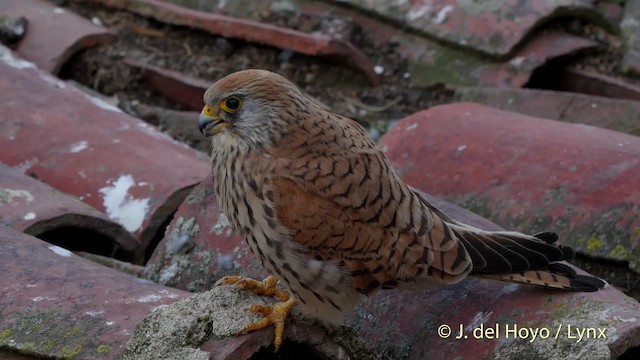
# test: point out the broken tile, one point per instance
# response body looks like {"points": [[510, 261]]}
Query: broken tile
{"points": [[90, 149], [528, 174], [177, 87], [251, 31], [492, 27], [55, 34], [590, 82], [613, 114], [64, 306], [431, 62], [630, 26], [453, 67], [35, 208]]}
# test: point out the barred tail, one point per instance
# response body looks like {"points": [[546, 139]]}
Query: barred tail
{"points": [[519, 258]]}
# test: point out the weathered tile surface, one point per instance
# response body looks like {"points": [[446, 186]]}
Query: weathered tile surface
{"points": [[54, 34], [54, 303], [613, 114], [493, 26], [200, 247], [35, 208], [88, 148], [528, 174]]}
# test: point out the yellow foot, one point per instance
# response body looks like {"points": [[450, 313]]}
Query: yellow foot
{"points": [[275, 315]]}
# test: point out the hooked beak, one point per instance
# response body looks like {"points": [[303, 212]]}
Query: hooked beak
{"points": [[210, 125]]}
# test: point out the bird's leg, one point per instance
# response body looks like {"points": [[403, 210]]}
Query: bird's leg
{"points": [[275, 315]]}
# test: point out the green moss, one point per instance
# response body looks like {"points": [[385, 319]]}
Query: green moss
{"points": [[27, 346], [71, 332], [5, 334], [103, 349], [619, 252], [47, 345], [71, 352], [594, 244]]}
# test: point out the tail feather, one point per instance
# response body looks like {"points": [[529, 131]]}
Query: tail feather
{"points": [[519, 258], [550, 279], [516, 257]]}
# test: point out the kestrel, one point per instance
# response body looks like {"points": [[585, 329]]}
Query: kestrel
{"points": [[320, 205]]}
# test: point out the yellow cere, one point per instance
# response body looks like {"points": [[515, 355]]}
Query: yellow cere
{"points": [[207, 110]]}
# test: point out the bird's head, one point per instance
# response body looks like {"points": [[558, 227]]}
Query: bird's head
{"points": [[251, 107]]}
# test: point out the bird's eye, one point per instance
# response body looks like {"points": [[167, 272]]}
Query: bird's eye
{"points": [[231, 104]]}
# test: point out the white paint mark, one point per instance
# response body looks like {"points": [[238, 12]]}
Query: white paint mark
{"points": [[7, 57], [509, 288], [96, 21], [60, 251], [109, 323], [115, 141], [101, 103], [121, 206], [517, 61], [153, 131], [417, 12], [40, 298], [378, 69], [52, 80], [30, 216], [168, 294], [9, 195], [594, 105], [442, 14], [479, 318], [94, 313], [461, 147], [58, 10], [411, 127], [32, 285], [26, 165], [79, 146], [149, 298]]}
